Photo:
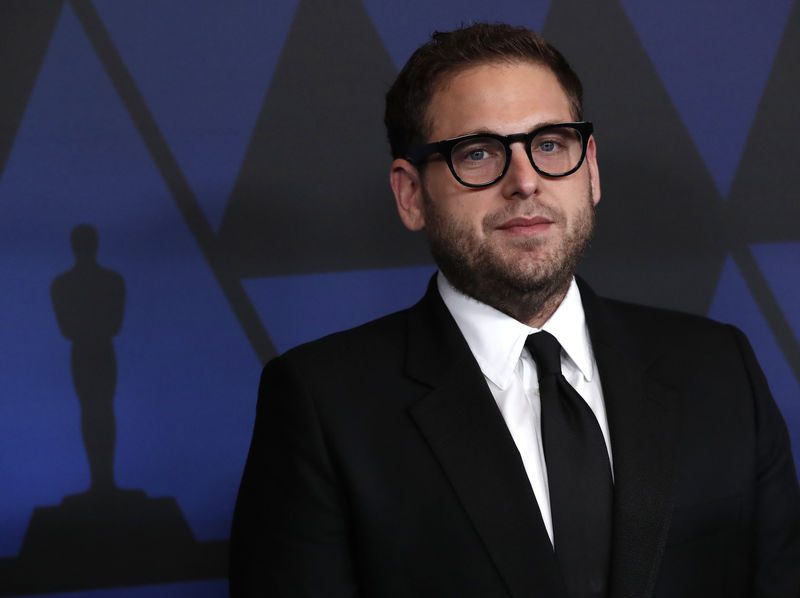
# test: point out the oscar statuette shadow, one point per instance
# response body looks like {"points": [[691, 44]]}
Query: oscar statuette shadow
{"points": [[106, 536]]}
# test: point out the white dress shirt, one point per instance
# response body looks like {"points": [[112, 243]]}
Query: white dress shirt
{"points": [[498, 343]]}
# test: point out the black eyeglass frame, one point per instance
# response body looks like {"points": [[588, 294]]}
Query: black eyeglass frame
{"points": [[417, 155]]}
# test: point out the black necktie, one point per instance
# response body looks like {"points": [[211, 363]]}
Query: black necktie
{"points": [[578, 475]]}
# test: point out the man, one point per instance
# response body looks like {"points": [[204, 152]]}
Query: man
{"points": [[443, 450]]}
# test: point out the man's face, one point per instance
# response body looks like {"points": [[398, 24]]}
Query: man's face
{"points": [[522, 235]]}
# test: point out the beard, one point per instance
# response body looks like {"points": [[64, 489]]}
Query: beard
{"points": [[524, 278]]}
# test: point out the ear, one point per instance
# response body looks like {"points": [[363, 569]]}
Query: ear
{"points": [[594, 172], [407, 188]]}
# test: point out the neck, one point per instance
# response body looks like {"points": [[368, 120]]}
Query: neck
{"points": [[532, 306]]}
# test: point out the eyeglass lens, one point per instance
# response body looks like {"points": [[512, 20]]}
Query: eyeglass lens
{"points": [[480, 160]]}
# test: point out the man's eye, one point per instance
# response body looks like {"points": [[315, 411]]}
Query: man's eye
{"points": [[555, 141], [477, 154], [547, 146]]}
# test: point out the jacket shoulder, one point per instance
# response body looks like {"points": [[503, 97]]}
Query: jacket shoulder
{"points": [[652, 332], [380, 334], [660, 319]]}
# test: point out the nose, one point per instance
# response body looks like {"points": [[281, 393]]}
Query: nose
{"points": [[521, 179]]}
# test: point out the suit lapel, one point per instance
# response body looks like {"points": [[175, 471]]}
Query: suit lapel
{"points": [[469, 438], [643, 416], [467, 434]]}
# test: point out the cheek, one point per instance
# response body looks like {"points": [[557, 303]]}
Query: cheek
{"points": [[458, 213], [458, 208], [577, 199], [470, 214]]}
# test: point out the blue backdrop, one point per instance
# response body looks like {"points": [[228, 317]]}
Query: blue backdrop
{"points": [[230, 157]]}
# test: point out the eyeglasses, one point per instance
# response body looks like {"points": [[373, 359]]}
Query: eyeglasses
{"points": [[482, 159]]}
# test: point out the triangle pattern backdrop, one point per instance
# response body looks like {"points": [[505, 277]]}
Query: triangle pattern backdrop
{"points": [[234, 165], [205, 100], [718, 96]]}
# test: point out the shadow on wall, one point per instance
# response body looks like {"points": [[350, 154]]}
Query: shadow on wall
{"points": [[105, 536]]}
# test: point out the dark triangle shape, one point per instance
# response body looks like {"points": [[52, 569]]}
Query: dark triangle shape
{"points": [[764, 206], [164, 159], [714, 59], [313, 192], [764, 200], [25, 32], [656, 240]]}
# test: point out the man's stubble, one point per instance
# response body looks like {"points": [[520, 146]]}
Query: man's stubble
{"points": [[510, 278]]}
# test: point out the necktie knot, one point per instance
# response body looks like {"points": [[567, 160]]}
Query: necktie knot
{"points": [[546, 352]]}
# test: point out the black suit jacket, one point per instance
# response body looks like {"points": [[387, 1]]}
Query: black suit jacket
{"points": [[381, 467]]}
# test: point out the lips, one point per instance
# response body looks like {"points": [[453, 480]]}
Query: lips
{"points": [[526, 225]]}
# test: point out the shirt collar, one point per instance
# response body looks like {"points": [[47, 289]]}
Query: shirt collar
{"points": [[496, 339]]}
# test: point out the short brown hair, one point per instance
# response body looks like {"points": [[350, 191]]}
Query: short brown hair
{"points": [[450, 52]]}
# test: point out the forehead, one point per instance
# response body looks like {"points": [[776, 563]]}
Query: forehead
{"points": [[505, 98]]}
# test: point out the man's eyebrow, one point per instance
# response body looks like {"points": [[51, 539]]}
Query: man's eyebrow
{"points": [[487, 131]]}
